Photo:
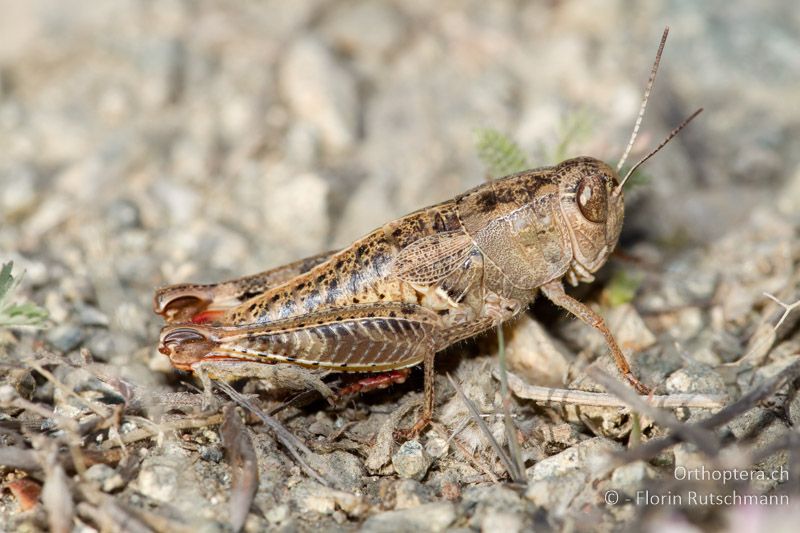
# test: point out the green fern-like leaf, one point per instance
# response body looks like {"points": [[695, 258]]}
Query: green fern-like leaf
{"points": [[11, 314], [499, 153], [575, 127]]}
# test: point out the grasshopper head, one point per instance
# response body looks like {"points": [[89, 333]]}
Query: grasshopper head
{"points": [[590, 194], [592, 211]]}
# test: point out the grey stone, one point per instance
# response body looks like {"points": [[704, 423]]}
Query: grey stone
{"points": [[313, 497], [211, 453], [631, 477], [590, 456], [159, 477], [321, 92], [365, 29], [695, 378], [429, 517], [411, 461], [409, 493], [91, 316], [17, 200], [102, 345], [534, 353], [497, 508], [65, 337], [344, 467], [789, 201], [124, 214], [556, 493], [105, 476], [437, 447]]}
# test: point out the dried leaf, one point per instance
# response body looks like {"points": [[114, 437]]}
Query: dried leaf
{"points": [[26, 491], [241, 456]]}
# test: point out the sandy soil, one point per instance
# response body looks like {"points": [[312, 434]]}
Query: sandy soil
{"points": [[146, 143]]}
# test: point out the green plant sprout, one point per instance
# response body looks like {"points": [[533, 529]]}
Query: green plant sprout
{"points": [[17, 314], [622, 288], [502, 156]]}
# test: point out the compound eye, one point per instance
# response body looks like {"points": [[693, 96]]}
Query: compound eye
{"points": [[592, 199]]}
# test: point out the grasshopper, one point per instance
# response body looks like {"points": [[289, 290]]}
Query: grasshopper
{"points": [[416, 285]]}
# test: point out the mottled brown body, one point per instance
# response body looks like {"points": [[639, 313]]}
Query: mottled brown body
{"points": [[416, 285]]}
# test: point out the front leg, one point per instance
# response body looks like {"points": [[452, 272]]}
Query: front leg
{"points": [[554, 291]]}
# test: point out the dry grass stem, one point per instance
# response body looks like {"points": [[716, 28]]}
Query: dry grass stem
{"points": [[284, 436], [704, 440], [512, 467], [463, 450], [599, 399], [750, 400], [787, 308]]}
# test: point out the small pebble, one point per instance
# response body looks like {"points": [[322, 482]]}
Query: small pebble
{"points": [[124, 214], [101, 345], [92, 316], [429, 517], [22, 196], [411, 461], [7, 394], [212, 454], [105, 476], [533, 352], [437, 447], [590, 456], [65, 337], [631, 477], [695, 378], [555, 493], [277, 514], [321, 91], [500, 520], [408, 494]]}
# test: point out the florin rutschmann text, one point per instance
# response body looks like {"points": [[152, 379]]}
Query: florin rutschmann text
{"points": [[694, 498]]}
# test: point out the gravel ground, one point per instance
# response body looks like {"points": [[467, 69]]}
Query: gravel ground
{"points": [[145, 143]]}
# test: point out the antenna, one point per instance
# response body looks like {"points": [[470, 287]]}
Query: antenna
{"points": [[647, 90], [672, 134]]}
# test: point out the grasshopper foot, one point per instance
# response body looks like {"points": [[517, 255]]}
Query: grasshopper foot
{"points": [[414, 431], [640, 387]]}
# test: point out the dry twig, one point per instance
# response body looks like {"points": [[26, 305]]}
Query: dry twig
{"points": [[599, 399], [704, 440], [787, 308], [285, 437]]}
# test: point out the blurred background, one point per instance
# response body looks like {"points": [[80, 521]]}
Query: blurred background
{"points": [[149, 142], [145, 143]]}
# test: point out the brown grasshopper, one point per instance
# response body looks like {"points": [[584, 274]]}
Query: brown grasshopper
{"points": [[397, 296]]}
